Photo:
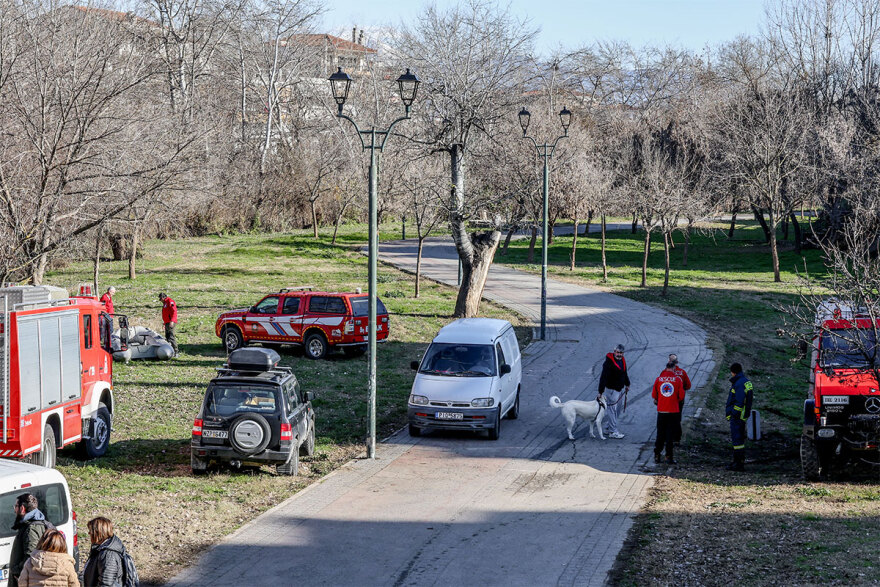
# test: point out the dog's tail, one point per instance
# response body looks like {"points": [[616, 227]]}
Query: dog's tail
{"points": [[555, 402]]}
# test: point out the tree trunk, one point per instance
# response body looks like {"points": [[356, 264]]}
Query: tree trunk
{"points": [[666, 253], [587, 227], [507, 241], [687, 242], [732, 225], [574, 244], [314, 218], [774, 252], [39, 271], [97, 260], [474, 271], [132, 253], [604, 261], [785, 229], [419, 264], [798, 234], [403, 227], [530, 258], [645, 257], [635, 223], [117, 245], [475, 251], [551, 224], [338, 222], [759, 216]]}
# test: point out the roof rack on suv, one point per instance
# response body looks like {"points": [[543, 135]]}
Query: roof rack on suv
{"points": [[298, 288]]}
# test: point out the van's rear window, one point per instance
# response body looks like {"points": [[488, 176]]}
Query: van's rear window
{"points": [[361, 306], [52, 502]]}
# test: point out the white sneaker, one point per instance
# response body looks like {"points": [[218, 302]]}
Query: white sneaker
{"points": [[616, 435]]}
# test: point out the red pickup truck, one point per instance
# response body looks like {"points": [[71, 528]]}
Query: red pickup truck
{"points": [[317, 320]]}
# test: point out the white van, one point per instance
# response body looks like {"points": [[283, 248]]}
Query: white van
{"points": [[53, 495], [469, 378]]}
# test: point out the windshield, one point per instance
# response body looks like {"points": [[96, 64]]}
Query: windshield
{"points": [[849, 348], [459, 360], [227, 399], [361, 306]]}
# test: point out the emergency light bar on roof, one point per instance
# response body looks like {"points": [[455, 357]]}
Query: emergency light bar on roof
{"points": [[298, 288]]}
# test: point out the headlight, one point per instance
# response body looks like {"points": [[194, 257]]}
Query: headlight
{"points": [[482, 402], [418, 400]]}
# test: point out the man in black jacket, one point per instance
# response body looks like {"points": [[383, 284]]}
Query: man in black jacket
{"points": [[614, 379], [30, 525]]}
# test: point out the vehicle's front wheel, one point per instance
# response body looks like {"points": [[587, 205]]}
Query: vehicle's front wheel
{"points": [[495, 431], [810, 459], [291, 467], [97, 445], [232, 339], [307, 448], [315, 345]]}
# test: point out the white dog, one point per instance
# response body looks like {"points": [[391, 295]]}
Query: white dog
{"points": [[592, 412]]}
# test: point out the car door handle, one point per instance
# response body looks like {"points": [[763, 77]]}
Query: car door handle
{"points": [[53, 402]]}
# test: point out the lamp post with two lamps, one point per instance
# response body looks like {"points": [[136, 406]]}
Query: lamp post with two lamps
{"points": [[373, 140], [546, 151]]}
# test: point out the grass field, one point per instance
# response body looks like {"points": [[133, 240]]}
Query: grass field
{"points": [[144, 484], [703, 525]]}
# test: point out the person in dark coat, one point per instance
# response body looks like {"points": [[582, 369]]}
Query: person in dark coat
{"points": [[105, 567], [614, 379], [739, 406], [30, 525]]}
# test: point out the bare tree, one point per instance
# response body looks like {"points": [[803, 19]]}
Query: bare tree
{"points": [[471, 59]]}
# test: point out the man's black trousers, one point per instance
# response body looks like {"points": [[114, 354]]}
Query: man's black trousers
{"points": [[667, 431]]}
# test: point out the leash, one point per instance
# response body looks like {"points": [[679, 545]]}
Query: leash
{"points": [[619, 400], [601, 407]]}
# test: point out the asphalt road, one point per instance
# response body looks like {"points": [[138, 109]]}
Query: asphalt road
{"points": [[532, 508]]}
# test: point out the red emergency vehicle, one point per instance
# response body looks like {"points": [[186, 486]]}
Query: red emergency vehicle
{"points": [[318, 320], [842, 411], [55, 374]]}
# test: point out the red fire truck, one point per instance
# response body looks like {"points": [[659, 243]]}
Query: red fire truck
{"points": [[842, 411], [55, 374]]}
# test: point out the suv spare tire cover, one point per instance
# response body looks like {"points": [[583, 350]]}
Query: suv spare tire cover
{"points": [[250, 434]]}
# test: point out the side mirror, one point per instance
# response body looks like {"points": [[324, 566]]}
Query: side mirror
{"points": [[414, 365], [309, 396], [505, 369]]}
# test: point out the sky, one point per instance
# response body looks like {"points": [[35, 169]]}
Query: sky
{"points": [[689, 24]]}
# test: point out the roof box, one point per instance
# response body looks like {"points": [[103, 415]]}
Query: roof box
{"points": [[253, 359]]}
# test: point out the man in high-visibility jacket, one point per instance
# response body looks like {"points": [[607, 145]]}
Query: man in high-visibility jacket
{"points": [[739, 406]]}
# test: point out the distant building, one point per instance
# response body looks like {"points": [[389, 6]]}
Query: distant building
{"points": [[330, 52]]}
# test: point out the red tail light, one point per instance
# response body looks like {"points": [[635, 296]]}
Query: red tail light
{"points": [[197, 427], [286, 432], [75, 537]]}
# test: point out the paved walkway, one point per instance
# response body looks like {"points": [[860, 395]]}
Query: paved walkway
{"points": [[532, 508]]}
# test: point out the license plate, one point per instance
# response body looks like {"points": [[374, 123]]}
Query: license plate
{"points": [[449, 416], [215, 434], [839, 400]]}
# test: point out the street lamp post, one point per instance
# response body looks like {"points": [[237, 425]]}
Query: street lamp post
{"points": [[373, 139], [546, 152]]}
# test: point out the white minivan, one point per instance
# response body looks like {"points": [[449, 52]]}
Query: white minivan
{"points": [[50, 488], [469, 378]]}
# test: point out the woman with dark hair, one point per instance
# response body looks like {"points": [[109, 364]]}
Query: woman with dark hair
{"points": [[106, 567], [49, 565]]}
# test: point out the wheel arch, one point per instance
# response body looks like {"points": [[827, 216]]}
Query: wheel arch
{"points": [[54, 421]]}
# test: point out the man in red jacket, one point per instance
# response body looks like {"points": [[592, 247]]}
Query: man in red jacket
{"points": [[169, 317], [107, 299], [668, 394]]}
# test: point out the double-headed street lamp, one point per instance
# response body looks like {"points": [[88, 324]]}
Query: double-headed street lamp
{"points": [[373, 139], [545, 151]]}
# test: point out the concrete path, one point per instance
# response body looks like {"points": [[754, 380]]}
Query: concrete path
{"points": [[532, 508]]}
